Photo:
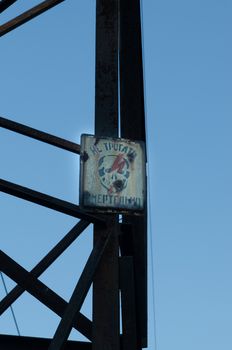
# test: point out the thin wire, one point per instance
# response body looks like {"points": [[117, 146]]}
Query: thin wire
{"points": [[11, 308], [150, 236], [152, 263]]}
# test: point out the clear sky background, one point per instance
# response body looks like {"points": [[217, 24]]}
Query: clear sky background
{"points": [[47, 82]]}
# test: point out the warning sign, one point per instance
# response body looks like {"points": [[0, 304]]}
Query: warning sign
{"points": [[112, 174]]}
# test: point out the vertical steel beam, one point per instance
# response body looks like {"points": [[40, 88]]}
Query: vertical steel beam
{"points": [[106, 282], [126, 272], [133, 127], [131, 71], [106, 89], [106, 294]]}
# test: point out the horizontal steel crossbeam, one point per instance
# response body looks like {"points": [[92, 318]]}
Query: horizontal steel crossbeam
{"points": [[48, 201], [12, 342], [40, 135]]}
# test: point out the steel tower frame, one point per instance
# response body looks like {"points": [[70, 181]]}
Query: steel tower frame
{"points": [[117, 265]]}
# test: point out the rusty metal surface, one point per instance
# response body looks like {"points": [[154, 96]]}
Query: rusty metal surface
{"points": [[28, 15], [112, 174], [39, 135]]}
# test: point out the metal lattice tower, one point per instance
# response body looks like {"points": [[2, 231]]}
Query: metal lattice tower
{"points": [[117, 265]]}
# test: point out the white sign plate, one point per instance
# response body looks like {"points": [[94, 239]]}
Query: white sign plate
{"points": [[112, 174]]}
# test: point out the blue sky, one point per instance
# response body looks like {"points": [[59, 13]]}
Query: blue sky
{"points": [[47, 82]]}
